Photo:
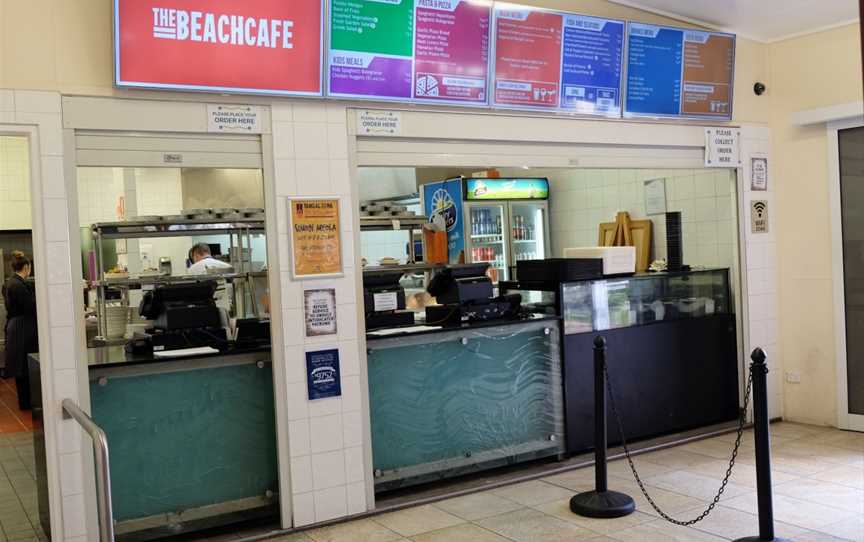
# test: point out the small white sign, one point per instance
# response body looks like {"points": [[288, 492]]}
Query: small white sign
{"points": [[379, 123], [758, 173], [759, 216], [386, 301], [722, 148], [233, 119], [320, 312], [655, 197]]}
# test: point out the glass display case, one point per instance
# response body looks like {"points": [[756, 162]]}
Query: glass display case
{"points": [[613, 303]]}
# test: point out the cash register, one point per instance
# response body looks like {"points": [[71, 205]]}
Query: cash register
{"points": [[465, 294], [184, 316], [384, 300]]}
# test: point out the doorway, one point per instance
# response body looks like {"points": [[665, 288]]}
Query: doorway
{"points": [[850, 156], [20, 514]]}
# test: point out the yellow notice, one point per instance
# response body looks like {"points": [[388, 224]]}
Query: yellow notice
{"points": [[316, 238]]}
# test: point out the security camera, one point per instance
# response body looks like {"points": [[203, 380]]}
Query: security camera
{"points": [[759, 89]]}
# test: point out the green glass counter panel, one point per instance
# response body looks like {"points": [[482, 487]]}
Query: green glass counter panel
{"points": [[437, 404], [183, 440]]}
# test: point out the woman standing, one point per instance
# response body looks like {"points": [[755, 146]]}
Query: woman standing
{"points": [[21, 334]]}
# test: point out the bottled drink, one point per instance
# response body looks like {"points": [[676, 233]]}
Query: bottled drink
{"points": [[498, 225], [475, 226]]}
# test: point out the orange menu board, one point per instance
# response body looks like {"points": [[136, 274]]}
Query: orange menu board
{"points": [[707, 81], [315, 236]]}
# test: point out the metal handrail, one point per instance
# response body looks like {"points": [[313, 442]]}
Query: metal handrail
{"points": [[103, 468]]}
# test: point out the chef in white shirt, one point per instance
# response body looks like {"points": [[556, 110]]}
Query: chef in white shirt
{"points": [[203, 263]]}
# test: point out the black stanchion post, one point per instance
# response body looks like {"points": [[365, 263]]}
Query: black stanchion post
{"points": [[759, 373], [601, 503]]}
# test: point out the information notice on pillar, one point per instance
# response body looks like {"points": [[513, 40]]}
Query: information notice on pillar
{"points": [[451, 51], [678, 72]]}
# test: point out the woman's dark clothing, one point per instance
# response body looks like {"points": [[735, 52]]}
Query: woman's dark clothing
{"points": [[21, 334]]}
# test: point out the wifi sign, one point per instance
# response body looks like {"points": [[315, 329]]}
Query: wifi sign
{"points": [[759, 216]]}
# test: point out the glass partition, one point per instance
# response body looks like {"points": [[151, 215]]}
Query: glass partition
{"points": [[451, 403], [614, 303]]}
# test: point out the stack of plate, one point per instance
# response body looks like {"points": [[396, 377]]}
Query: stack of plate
{"points": [[116, 317]]}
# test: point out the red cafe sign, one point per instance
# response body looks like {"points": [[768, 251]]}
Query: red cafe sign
{"points": [[247, 46]]}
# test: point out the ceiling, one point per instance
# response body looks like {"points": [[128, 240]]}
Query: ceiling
{"points": [[762, 20]]}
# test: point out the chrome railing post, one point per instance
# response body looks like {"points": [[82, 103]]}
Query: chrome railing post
{"points": [[103, 468]]}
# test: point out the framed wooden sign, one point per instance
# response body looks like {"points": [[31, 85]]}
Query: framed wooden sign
{"points": [[316, 242]]}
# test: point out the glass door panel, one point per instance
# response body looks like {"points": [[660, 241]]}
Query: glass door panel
{"points": [[528, 231], [487, 243], [851, 146]]}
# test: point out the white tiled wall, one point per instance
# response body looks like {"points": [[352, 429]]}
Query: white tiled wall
{"points": [[761, 266], [328, 467], [14, 183], [57, 337], [581, 199]]}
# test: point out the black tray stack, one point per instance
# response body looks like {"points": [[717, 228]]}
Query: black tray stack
{"points": [[674, 242]]}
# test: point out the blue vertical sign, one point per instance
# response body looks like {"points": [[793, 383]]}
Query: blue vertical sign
{"points": [[592, 56], [654, 68], [322, 374], [445, 198]]}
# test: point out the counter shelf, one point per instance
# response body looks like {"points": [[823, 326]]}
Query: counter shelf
{"points": [[192, 441], [411, 224], [464, 399], [673, 354]]}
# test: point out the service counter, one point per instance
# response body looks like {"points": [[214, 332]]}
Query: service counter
{"points": [[672, 351], [192, 441], [458, 400]]}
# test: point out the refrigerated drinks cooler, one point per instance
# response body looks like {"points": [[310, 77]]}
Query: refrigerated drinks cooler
{"points": [[499, 221]]}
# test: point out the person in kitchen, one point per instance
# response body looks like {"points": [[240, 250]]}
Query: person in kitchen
{"points": [[204, 263], [21, 333]]}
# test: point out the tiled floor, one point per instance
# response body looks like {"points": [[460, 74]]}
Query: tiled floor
{"points": [[19, 516], [818, 478], [12, 420]]}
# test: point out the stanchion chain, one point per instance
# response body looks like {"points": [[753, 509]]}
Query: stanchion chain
{"points": [[664, 515]]}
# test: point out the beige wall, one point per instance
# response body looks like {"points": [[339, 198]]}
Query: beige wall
{"points": [[50, 63], [809, 72]]}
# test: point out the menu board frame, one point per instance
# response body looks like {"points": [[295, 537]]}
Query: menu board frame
{"points": [[205, 89], [626, 114], [558, 109], [326, 84]]}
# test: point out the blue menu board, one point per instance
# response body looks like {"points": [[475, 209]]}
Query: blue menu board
{"points": [[592, 58], [674, 72]]}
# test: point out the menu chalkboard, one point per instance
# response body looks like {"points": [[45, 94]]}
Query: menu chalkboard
{"points": [[557, 61], [676, 72], [424, 50]]}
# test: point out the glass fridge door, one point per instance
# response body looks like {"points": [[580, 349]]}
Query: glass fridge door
{"points": [[529, 230], [486, 224]]}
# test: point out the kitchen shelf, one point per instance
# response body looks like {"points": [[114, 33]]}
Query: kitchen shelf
{"points": [[175, 228], [385, 223]]}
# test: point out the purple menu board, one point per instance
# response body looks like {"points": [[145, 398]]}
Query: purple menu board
{"points": [[451, 50], [423, 50]]}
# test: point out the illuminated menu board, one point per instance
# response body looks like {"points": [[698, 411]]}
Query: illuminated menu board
{"points": [[675, 72], [423, 50], [557, 61]]}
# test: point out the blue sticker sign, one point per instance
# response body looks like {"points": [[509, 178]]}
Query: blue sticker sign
{"points": [[322, 374], [593, 55]]}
